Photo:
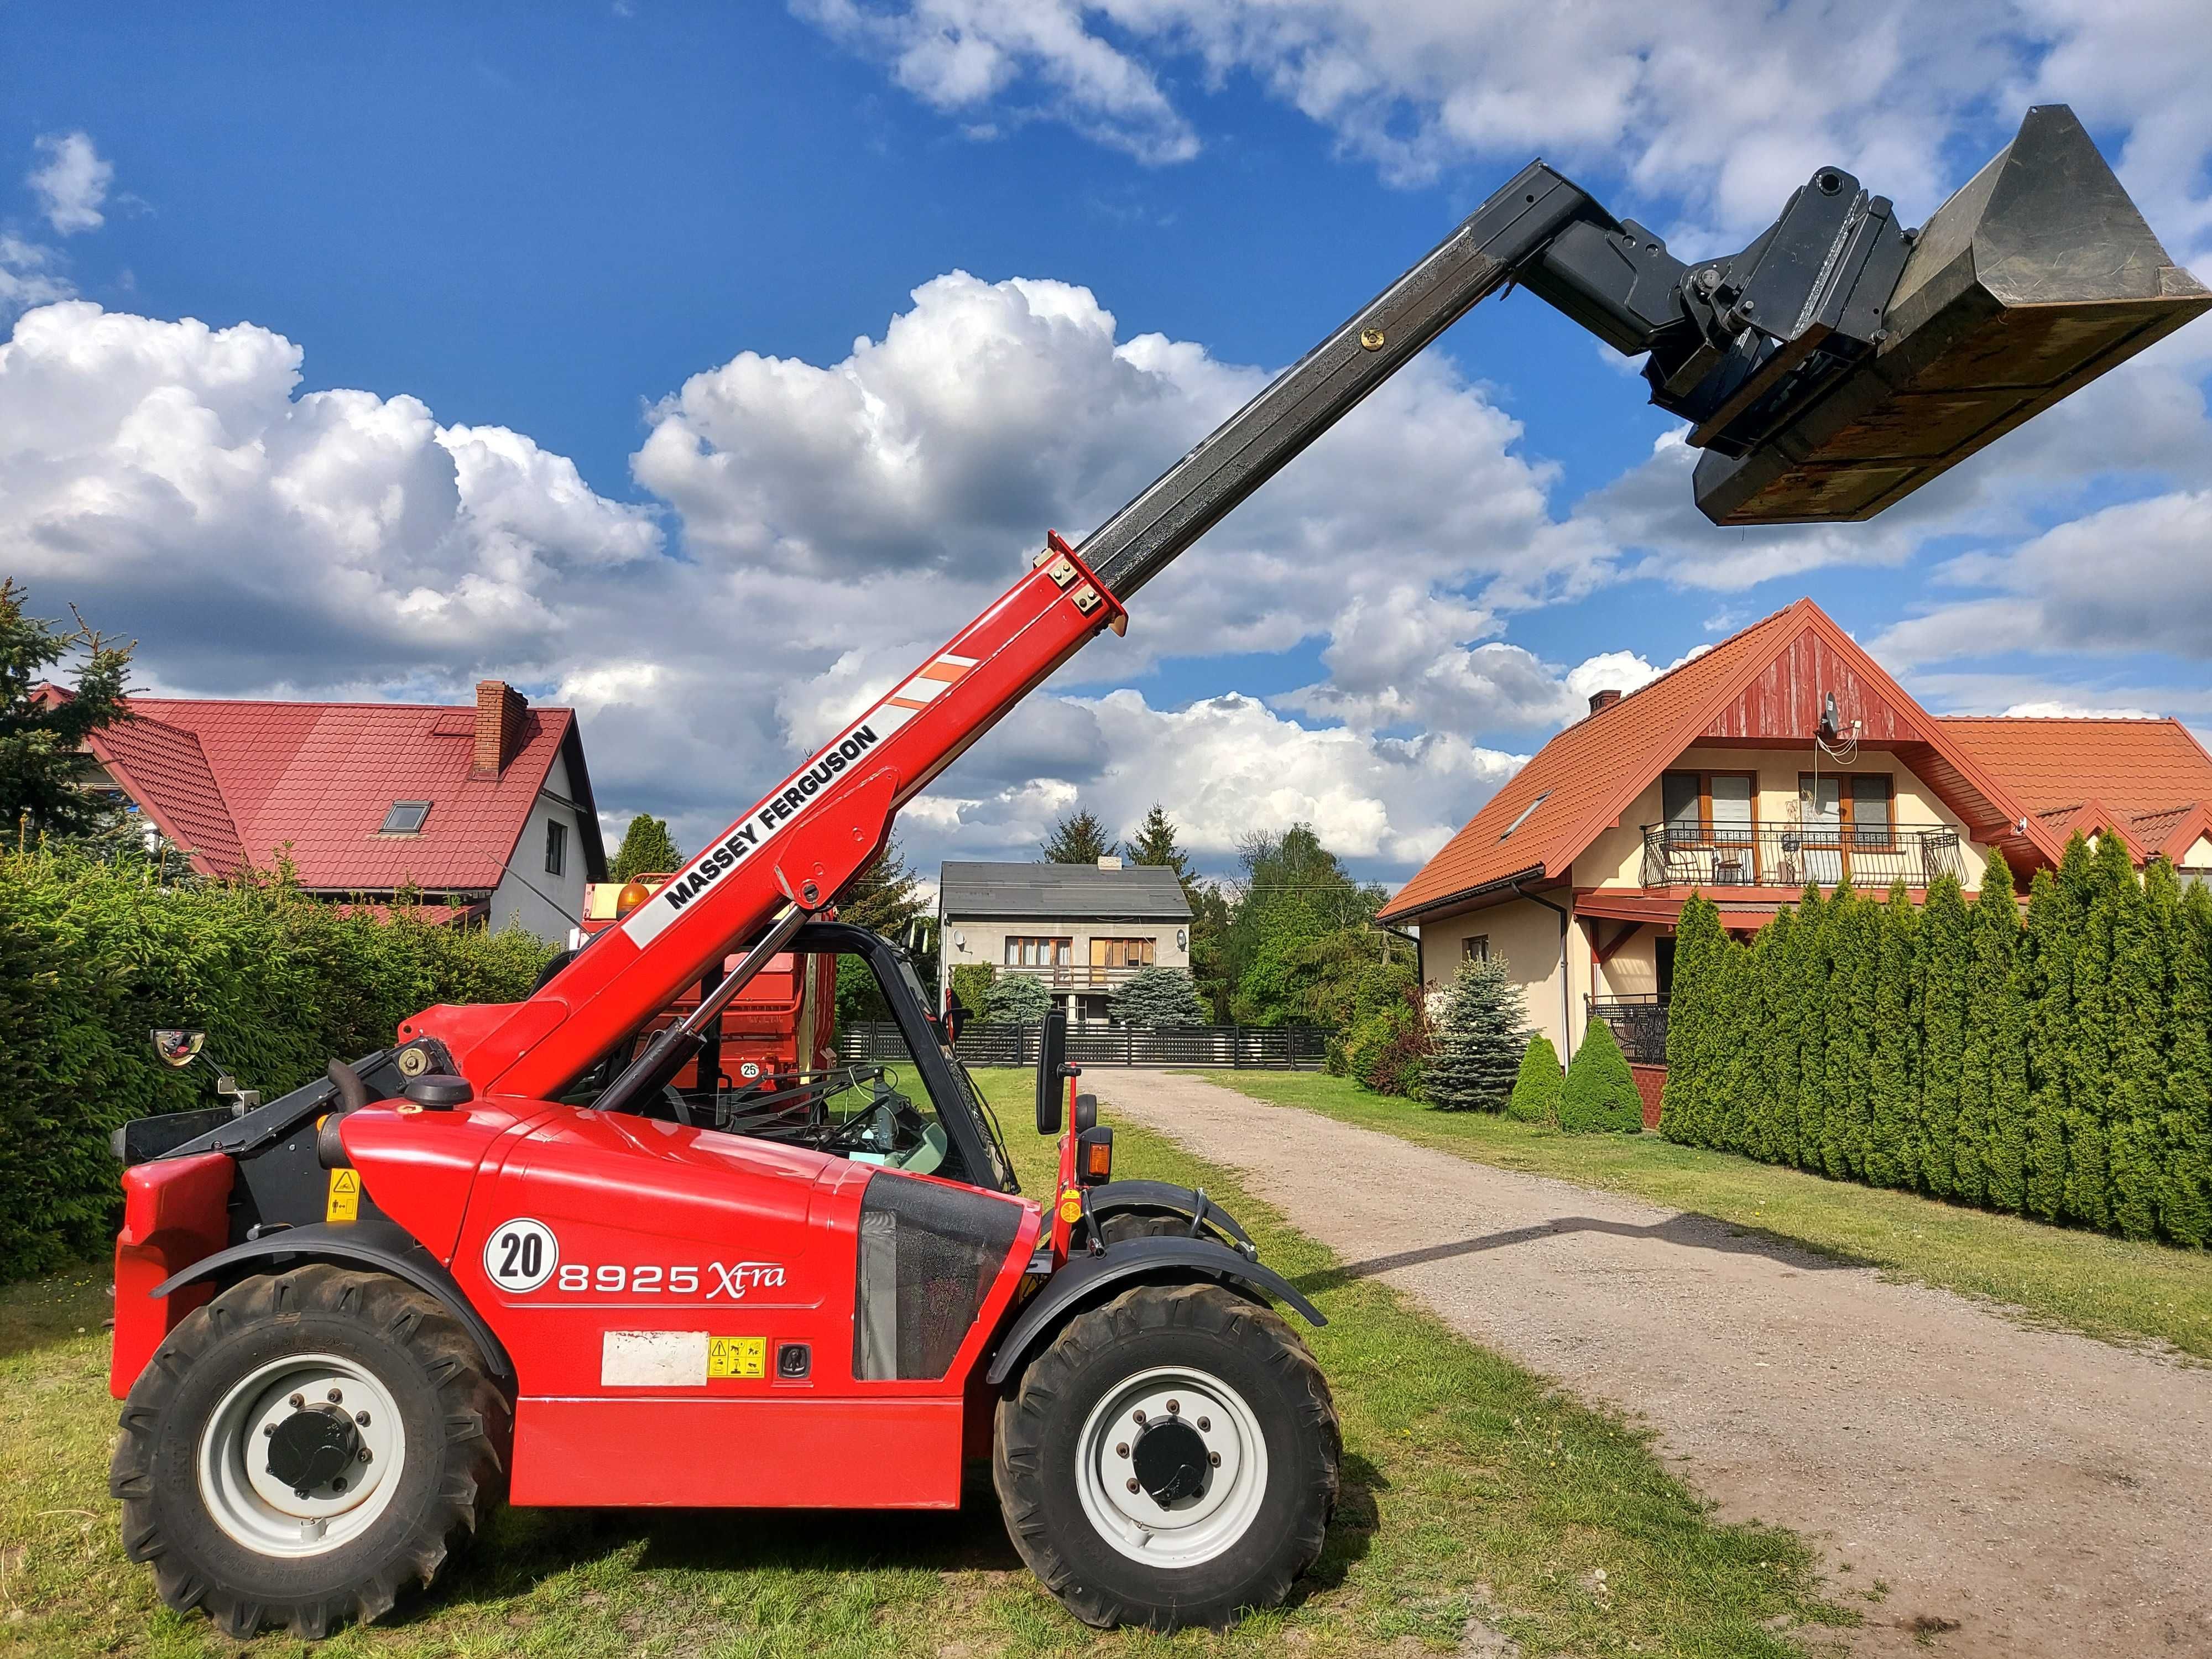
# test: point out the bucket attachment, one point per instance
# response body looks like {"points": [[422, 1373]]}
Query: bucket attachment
{"points": [[2031, 281]]}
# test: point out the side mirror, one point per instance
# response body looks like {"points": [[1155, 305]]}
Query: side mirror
{"points": [[178, 1049], [1052, 1055]]}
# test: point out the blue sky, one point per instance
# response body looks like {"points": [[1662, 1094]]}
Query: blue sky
{"points": [[530, 349]]}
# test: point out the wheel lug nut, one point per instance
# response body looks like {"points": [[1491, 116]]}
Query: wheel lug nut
{"points": [[298, 1401], [361, 1418], [367, 1455], [1205, 1424], [268, 1428], [1140, 1418], [336, 1398], [1213, 1458], [1132, 1485], [1173, 1406], [1121, 1451], [338, 1484]]}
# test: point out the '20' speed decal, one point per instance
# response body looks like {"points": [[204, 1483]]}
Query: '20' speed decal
{"points": [[521, 1254]]}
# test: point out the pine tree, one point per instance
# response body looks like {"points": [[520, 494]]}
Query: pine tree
{"points": [[1480, 1036], [39, 736], [1600, 1092], [1535, 1098], [1698, 941], [1157, 843], [2186, 1194], [646, 849], [1946, 955], [1078, 838], [1158, 996], [1892, 1155], [1997, 1025], [2140, 1003], [1777, 962], [2089, 1074], [2054, 920]]}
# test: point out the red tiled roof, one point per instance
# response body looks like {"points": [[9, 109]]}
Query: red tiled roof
{"points": [[2139, 766], [1581, 781], [240, 781]]}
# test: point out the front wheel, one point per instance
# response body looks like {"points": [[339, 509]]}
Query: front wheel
{"points": [[303, 1447], [1170, 1460]]}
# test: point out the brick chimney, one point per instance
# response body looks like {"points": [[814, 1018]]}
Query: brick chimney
{"points": [[1603, 700], [503, 718]]}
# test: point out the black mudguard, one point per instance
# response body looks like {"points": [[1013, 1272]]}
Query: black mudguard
{"points": [[1091, 1279], [1161, 1197], [374, 1243]]}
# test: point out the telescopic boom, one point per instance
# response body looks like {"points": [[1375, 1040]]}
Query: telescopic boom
{"points": [[1833, 366]]}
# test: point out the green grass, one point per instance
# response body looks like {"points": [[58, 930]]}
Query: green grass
{"points": [[2110, 1288], [1472, 1490]]}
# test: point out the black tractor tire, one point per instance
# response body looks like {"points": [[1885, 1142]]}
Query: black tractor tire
{"points": [[1195, 1330], [452, 1467], [1123, 1224]]}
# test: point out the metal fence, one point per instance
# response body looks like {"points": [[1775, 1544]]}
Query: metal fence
{"points": [[1230, 1047], [1639, 1025]]}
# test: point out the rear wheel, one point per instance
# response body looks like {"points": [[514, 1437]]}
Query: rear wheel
{"points": [[1170, 1460], [303, 1447]]}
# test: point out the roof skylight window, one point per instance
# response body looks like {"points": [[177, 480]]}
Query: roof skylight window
{"points": [[1525, 811], [405, 817]]}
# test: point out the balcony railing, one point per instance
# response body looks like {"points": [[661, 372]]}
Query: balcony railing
{"points": [[1639, 1025], [1870, 857], [1067, 976]]}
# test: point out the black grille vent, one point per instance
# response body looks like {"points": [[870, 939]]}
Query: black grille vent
{"points": [[929, 1255]]}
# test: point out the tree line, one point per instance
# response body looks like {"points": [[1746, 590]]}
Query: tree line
{"points": [[2056, 1064]]}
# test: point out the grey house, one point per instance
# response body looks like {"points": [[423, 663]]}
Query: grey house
{"points": [[1080, 928]]}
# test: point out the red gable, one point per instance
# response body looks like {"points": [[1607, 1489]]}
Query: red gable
{"points": [[239, 783]]}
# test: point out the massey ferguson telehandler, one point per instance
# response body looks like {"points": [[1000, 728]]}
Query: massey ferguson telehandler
{"points": [[506, 1258]]}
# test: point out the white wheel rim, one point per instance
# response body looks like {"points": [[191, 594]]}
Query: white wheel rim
{"points": [[258, 1510], [1188, 1530]]}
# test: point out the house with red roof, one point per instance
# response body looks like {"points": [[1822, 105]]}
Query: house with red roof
{"points": [[1783, 756], [482, 812]]}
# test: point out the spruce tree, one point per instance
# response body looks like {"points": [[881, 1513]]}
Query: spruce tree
{"points": [[1158, 996], [2141, 1004], [2185, 1194], [2054, 919], [1891, 1158], [646, 849], [40, 738], [1698, 941], [1816, 919], [1997, 1025], [1600, 1092], [1017, 1000], [1480, 1036], [1535, 1098], [1157, 843], [1776, 963], [1078, 838], [1946, 951]]}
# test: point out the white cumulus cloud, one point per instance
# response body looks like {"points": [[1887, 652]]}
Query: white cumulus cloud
{"points": [[72, 182]]}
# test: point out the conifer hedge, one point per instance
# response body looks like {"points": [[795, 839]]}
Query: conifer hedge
{"points": [[93, 958], [2055, 1064], [1537, 1088]]}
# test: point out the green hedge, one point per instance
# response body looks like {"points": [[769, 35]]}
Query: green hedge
{"points": [[93, 957], [2058, 1065], [1536, 1090], [1600, 1092]]}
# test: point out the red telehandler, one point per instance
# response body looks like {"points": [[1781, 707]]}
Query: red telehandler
{"points": [[506, 1256]]}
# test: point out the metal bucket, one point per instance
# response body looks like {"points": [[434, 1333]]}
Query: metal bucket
{"points": [[2031, 281]]}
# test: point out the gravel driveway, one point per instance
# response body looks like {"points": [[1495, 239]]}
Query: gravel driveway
{"points": [[2043, 1492]]}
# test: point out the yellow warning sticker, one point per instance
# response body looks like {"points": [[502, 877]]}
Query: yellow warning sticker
{"points": [[344, 1201], [737, 1356]]}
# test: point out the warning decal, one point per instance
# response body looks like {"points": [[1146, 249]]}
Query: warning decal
{"points": [[343, 1203], [737, 1356]]}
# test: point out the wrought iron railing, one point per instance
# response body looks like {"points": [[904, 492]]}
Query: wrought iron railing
{"points": [[1870, 857], [1639, 1025]]}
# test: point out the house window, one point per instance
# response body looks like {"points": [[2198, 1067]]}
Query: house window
{"points": [[557, 847], [1706, 808], [405, 817], [1476, 947], [1121, 953], [1029, 951], [1855, 807]]}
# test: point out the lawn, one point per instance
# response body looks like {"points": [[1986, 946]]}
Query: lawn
{"points": [[2111, 1288], [1473, 1492]]}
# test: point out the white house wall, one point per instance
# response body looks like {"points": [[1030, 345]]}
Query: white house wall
{"points": [[970, 944], [513, 902]]}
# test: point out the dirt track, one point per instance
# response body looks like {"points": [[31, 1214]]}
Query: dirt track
{"points": [[2045, 1492]]}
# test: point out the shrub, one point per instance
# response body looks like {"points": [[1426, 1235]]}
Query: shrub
{"points": [[1158, 996], [1479, 1039], [1017, 998], [1398, 1063], [1600, 1090], [94, 955], [971, 985], [1535, 1098]]}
